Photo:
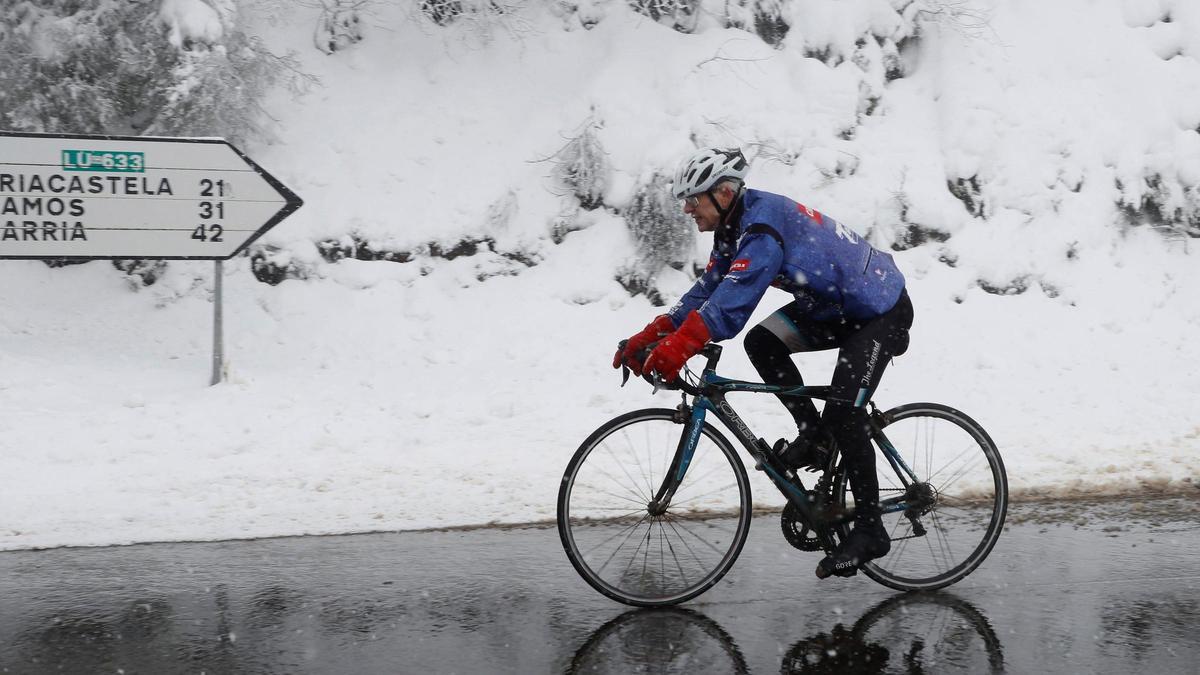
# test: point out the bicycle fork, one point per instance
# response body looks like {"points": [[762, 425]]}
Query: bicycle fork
{"points": [[692, 417]]}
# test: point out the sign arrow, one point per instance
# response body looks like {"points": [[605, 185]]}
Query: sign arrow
{"points": [[75, 196]]}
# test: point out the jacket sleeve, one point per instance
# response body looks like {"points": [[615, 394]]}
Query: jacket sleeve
{"points": [[718, 266], [755, 265]]}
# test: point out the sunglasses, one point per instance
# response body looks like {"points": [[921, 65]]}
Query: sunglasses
{"points": [[692, 201]]}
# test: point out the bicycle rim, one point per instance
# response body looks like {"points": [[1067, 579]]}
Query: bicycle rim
{"points": [[613, 540], [952, 455]]}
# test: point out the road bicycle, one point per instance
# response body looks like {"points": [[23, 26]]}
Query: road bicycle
{"points": [[655, 505]]}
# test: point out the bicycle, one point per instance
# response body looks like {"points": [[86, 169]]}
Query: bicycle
{"points": [[672, 507]]}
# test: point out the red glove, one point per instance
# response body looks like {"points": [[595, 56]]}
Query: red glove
{"points": [[675, 349], [654, 331]]}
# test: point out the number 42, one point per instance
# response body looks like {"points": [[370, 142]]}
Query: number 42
{"points": [[210, 233]]}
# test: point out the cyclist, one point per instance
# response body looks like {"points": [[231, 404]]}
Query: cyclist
{"points": [[846, 295]]}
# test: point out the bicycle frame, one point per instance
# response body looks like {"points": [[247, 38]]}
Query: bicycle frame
{"points": [[709, 397]]}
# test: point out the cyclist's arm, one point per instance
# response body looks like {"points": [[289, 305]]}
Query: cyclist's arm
{"points": [[755, 265], [718, 266]]}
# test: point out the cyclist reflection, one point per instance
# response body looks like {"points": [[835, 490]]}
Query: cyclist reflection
{"points": [[914, 633]]}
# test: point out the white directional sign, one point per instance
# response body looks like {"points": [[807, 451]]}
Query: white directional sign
{"points": [[69, 196]]}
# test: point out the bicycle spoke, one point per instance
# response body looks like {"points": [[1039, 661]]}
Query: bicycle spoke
{"points": [[887, 475], [942, 538], [898, 553], [635, 489], [683, 541], [692, 498], [678, 564], [649, 462], [632, 529], [929, 461], [971, 446], [618, 509], [663, 557], [954, 478], [698, 537], [640, 504], [915, 447], [929, 543], [638, 461], [635, 551], [605, 541]]}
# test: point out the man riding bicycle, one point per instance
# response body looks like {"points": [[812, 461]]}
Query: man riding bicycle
{"points": [[846, 295]]}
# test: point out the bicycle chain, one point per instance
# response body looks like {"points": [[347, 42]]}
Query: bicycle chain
{"points": [[795, 530], [801, 536]]}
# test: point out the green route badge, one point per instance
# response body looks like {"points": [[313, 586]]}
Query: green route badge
{"points": [[91, 160]]}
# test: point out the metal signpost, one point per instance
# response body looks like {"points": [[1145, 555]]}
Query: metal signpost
{"points": [[108, 197]]}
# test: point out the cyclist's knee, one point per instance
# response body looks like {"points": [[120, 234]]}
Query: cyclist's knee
{"points": [[763, 346], [757, 339]]}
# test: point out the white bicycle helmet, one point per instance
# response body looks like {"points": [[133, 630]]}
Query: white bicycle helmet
{"points": [[706, 168]]}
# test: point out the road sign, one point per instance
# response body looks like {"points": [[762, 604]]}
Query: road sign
{"points": [[72, 196]]}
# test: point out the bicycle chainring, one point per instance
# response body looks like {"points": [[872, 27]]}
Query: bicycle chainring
{"points": [[798, 533]]}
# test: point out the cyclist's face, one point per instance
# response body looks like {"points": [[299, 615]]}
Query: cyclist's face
{"points": [[702, 209]]}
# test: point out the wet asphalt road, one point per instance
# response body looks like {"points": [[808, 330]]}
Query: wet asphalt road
{"points": [[1108, 587]]}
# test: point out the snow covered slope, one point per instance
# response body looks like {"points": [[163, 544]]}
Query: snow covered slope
{"points": [[1030, 145]]}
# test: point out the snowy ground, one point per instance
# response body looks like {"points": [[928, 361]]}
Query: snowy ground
{"points": [[380, 395]]}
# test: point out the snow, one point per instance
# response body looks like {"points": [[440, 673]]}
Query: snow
{"points": [[432, 393], [192, 21]]}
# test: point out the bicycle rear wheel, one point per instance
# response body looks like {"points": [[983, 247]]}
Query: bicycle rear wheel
{"points": [[627, 550], [956, 506]]}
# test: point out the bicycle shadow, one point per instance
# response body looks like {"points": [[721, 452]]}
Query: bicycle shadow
{"points": [[929, 632]]}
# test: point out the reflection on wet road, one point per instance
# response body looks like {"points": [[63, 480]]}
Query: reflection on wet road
{"points": [[1108, 587]]}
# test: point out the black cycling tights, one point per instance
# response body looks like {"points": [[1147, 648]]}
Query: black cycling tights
{"points": [[865, 349]]}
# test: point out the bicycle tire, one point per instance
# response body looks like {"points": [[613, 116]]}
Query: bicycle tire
{"points": [[984, 496], [704, 507]]}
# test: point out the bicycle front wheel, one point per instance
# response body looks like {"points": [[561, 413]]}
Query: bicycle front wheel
{"points": [[635, 553], [955, 507]]}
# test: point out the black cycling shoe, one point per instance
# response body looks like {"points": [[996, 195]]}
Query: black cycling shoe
{"points": [[866, 542], [803, 453]]}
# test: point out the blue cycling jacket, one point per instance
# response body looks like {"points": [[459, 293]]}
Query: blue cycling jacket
{"points": [[831, 271]]}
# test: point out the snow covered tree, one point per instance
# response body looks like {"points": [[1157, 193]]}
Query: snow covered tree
{"points": [[175, 67], [441, 12], [764, 17], [582, 167], [679, 14], [1165, 203], [663, 235], [479, 19]]}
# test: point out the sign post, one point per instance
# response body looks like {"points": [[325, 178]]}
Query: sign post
{"points": [[110, 197]]}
